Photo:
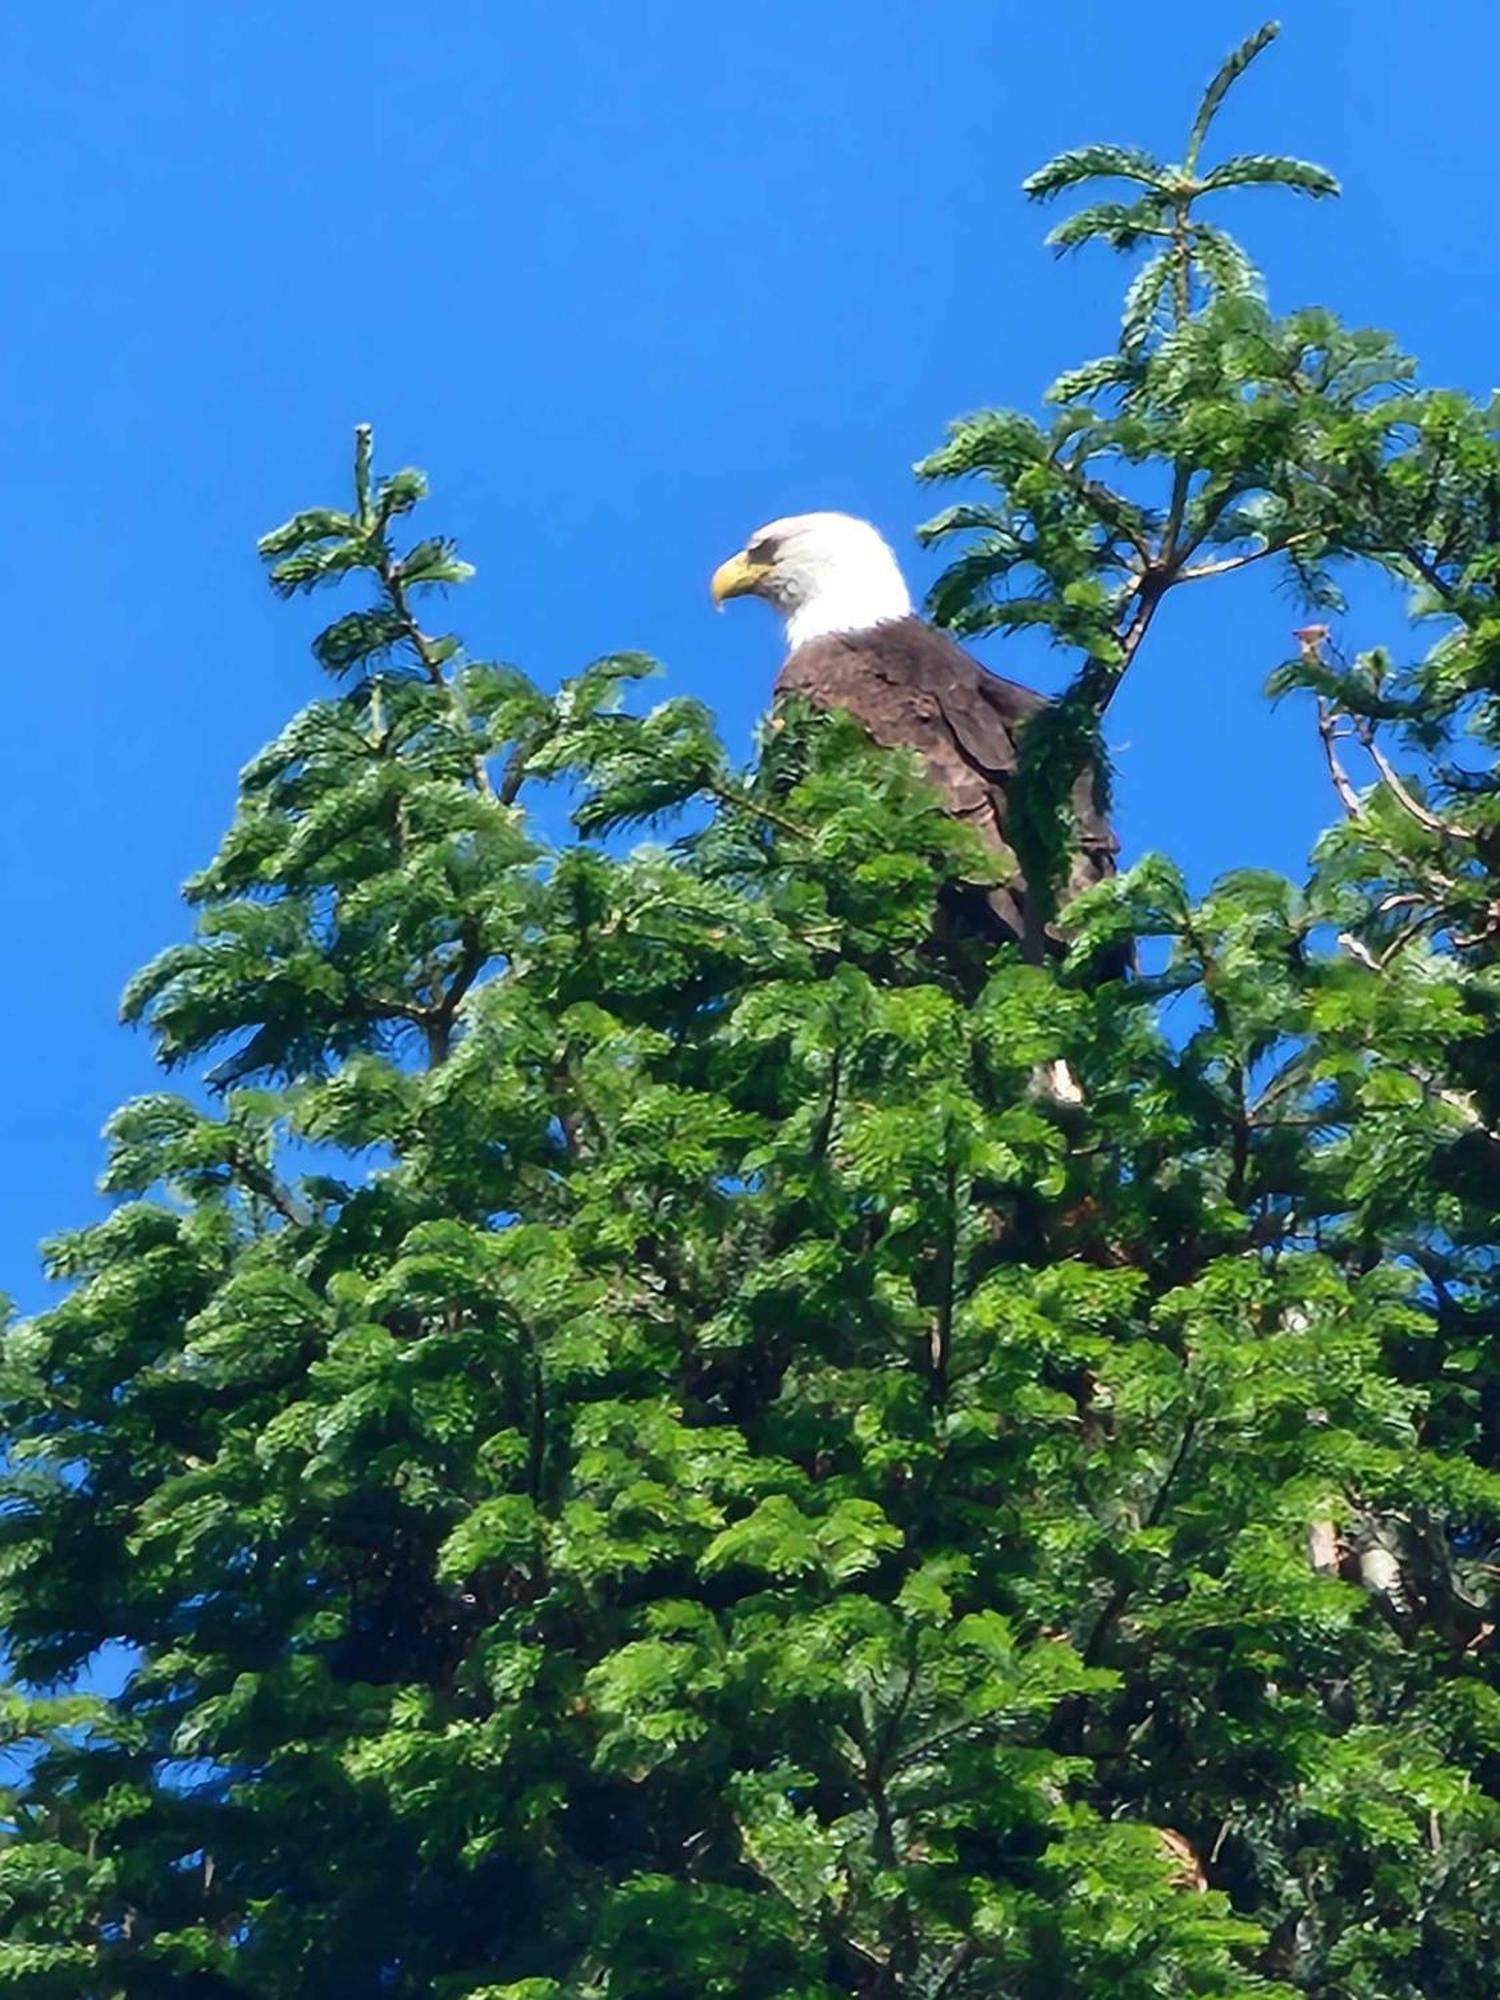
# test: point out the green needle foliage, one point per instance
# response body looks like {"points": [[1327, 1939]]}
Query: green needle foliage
{"points": [[1213, 437], [638, 1455]]}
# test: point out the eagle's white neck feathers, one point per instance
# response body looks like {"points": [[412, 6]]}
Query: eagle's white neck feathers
{"points": [[831, 573]]}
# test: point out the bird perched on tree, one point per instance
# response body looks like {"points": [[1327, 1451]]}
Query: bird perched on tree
{"points": [[855, 643]]}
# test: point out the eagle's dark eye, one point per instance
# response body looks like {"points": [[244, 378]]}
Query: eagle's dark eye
{"points": [[762, 550]]}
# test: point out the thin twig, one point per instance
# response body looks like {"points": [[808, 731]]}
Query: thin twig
{"points": [[1405, 936], [260, 1181], [1328, 731], [1241, 562], [1106, 508], [1120, 1597], [423, 647], [1430, 574], [728, 797], [941, 1337], [1357, 949], [1365, 731]]}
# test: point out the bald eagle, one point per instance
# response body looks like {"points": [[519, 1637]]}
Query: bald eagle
{"points": [[855, 643]]}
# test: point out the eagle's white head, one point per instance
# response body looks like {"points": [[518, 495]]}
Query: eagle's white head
{"points": [[823, 572]]}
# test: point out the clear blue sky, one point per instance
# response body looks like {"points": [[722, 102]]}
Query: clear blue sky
{"points": [[626, 279]]}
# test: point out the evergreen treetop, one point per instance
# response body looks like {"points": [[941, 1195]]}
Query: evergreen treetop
{"points": [[703, 1482]]}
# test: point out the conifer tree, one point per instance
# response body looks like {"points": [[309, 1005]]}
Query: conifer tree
{"points": [[635, 1456]]}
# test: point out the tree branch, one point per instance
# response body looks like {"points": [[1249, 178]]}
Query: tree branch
{"points": [[1328, 731], [941, 1338], [1108, 510], [727, 796], [1182, 479], [395, 589], [1121, 1595], [1430, 574], [438, 1022], [1231, 563], [1148, 595], [1364, 729], [262, 1182]]}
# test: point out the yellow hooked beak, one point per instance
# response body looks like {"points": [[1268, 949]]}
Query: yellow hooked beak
{"points": [[739, 577]]}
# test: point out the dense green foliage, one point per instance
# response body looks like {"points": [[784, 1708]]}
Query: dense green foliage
{"points": [[638, 1455]]}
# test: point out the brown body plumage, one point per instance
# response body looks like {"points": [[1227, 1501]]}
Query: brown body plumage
{"points": [[911, 688]]}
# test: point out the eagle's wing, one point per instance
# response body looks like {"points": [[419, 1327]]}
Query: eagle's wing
{"points": [[910, 687], [1097, 850]]}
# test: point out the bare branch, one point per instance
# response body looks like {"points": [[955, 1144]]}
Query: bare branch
{"points": [[1365, 731], [1231, 563], [1360, 951], [1328, 731]]}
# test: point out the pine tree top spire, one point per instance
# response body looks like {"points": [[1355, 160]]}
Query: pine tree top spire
{"points": [[1197, 260]]}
